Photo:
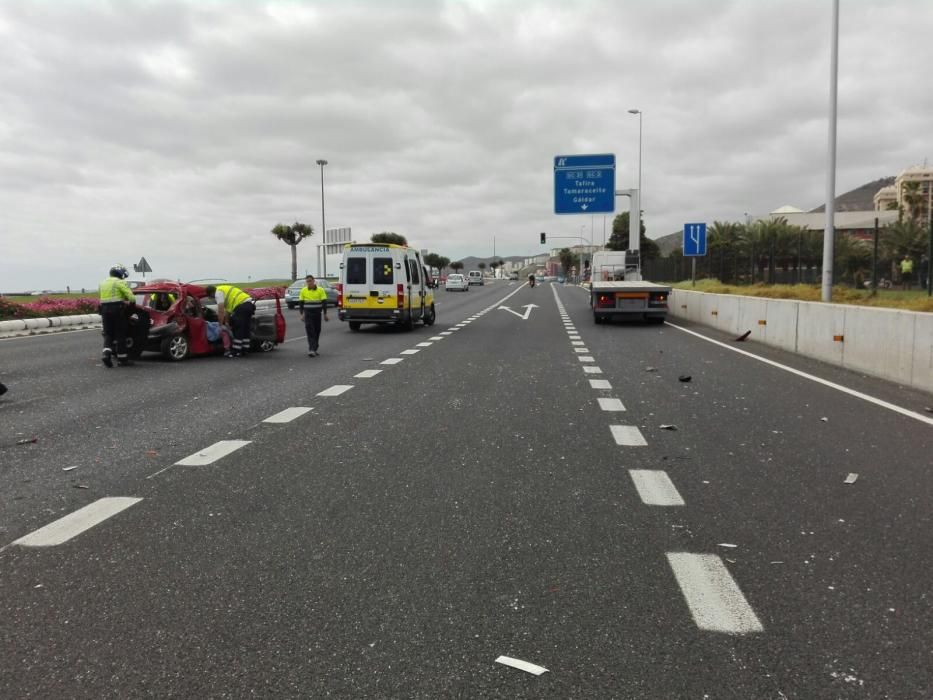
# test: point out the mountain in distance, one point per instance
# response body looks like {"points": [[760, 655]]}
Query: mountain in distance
{"points": [[471, 262], [860, 199]]}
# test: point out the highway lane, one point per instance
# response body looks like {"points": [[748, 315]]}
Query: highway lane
{"points": [[473, 501], [127, 423]]}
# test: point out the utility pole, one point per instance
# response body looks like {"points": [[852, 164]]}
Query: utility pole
{"points": [[829, 231]]}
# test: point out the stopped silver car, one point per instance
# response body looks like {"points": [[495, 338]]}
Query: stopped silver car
{"points": [[457, 283]]}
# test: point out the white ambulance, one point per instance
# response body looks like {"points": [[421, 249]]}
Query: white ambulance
{"points": [[384, 283]]}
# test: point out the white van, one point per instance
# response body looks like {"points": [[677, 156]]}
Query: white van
{"points": [[384, 283], [476, 277]]}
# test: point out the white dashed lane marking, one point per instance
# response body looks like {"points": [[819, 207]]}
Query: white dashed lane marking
{"points": [[410, 351], [713, 596], [444, 333], [580, 350], [585, 358], [628, 435], [592, 370], [600, 384], [655, 487], [437, 337], [211, 454], [75, 523], [610, 404], [336, 390], [423, 345], [368, 373], [392, 361], [288, 415]]}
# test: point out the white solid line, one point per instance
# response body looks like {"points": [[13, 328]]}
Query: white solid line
{"points": [[655, 487], [600, 384], [812, 378], [628, 435], [211, 454], [611, 404], [336, 390], [712, 595], [288, 415], [392, 361], [410, 351], [424, 345], [592, 370], [368, 373], [75, 523], [521, 665]]}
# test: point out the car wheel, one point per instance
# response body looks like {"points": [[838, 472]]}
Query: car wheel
{"points": [[175, 348], [266, 345], [354, 325], [430, 317]]}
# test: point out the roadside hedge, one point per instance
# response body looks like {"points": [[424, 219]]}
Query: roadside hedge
{"points": [[46, 307]]}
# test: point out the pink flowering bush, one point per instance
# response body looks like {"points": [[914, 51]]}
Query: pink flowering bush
{"points": [[46, 307]]}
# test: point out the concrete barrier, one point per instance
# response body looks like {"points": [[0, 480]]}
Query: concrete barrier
{"points": [[34, 326], [888, 343]]}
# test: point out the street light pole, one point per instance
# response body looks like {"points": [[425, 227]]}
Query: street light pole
{"points": [[829, 231], [322, 163], [639, 113]]}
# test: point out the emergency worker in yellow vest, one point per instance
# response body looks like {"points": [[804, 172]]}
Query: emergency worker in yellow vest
{"points": [[235, 308], [312, 301], [115, 296]]}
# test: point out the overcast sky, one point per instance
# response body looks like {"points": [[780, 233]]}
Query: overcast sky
{"points": [[183, 131]]}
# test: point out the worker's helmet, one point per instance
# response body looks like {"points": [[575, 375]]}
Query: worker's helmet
{"points": [[119, 271]]}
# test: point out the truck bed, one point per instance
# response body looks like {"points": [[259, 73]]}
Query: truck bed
{"points": [[611, 299]]}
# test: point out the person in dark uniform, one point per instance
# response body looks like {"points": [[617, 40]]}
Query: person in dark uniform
{"points": [[115, 296]]}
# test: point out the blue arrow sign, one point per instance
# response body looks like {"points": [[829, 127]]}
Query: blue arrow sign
{"points": [[694, 240], [585, 184]]}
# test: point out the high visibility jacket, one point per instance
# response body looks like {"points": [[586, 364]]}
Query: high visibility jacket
{"points": [[233, 296], [114, 289], [907, 266], [312, 298]]}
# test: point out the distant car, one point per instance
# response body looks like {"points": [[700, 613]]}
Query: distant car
{"points": [[291, 294], [513, 276], [456, 283], [476, 277]]}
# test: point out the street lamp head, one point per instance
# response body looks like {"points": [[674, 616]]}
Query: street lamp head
{"points": [[322, 162], [634, 111]]}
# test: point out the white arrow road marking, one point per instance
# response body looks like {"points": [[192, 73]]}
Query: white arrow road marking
{"points": [[288, 415], [655, 487], [628, 435], [75, 523], [712, 595], [524, 317], [211, 454]]}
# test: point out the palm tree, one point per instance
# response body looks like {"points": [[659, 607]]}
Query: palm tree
{"points": [[292, 236], [456, 266], [724, 238], [912, 196]]}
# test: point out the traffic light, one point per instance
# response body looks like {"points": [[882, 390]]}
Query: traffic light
{"points": [[543, 238]]}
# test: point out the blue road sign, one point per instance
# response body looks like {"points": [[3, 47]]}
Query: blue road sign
{"points": [[694, 240], [585, 184]]}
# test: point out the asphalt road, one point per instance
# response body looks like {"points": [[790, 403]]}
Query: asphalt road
{"points": [[505, 490]]}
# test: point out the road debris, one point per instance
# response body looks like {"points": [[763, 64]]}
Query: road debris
{"points": [[152, 453], [68, 469], [27, 441], [851, 478], [684, 378], [928, 409], [727, 545], [743, 336], [651, 369], [776, 562], [731, 561], [668, 426], [81, 486], [521, 665], [824, 419]]}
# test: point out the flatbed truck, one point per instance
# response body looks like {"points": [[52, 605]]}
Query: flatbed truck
{"points": [[617, 290]]}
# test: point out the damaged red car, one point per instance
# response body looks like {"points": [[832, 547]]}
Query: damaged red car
{"points": [[182, 321]]}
